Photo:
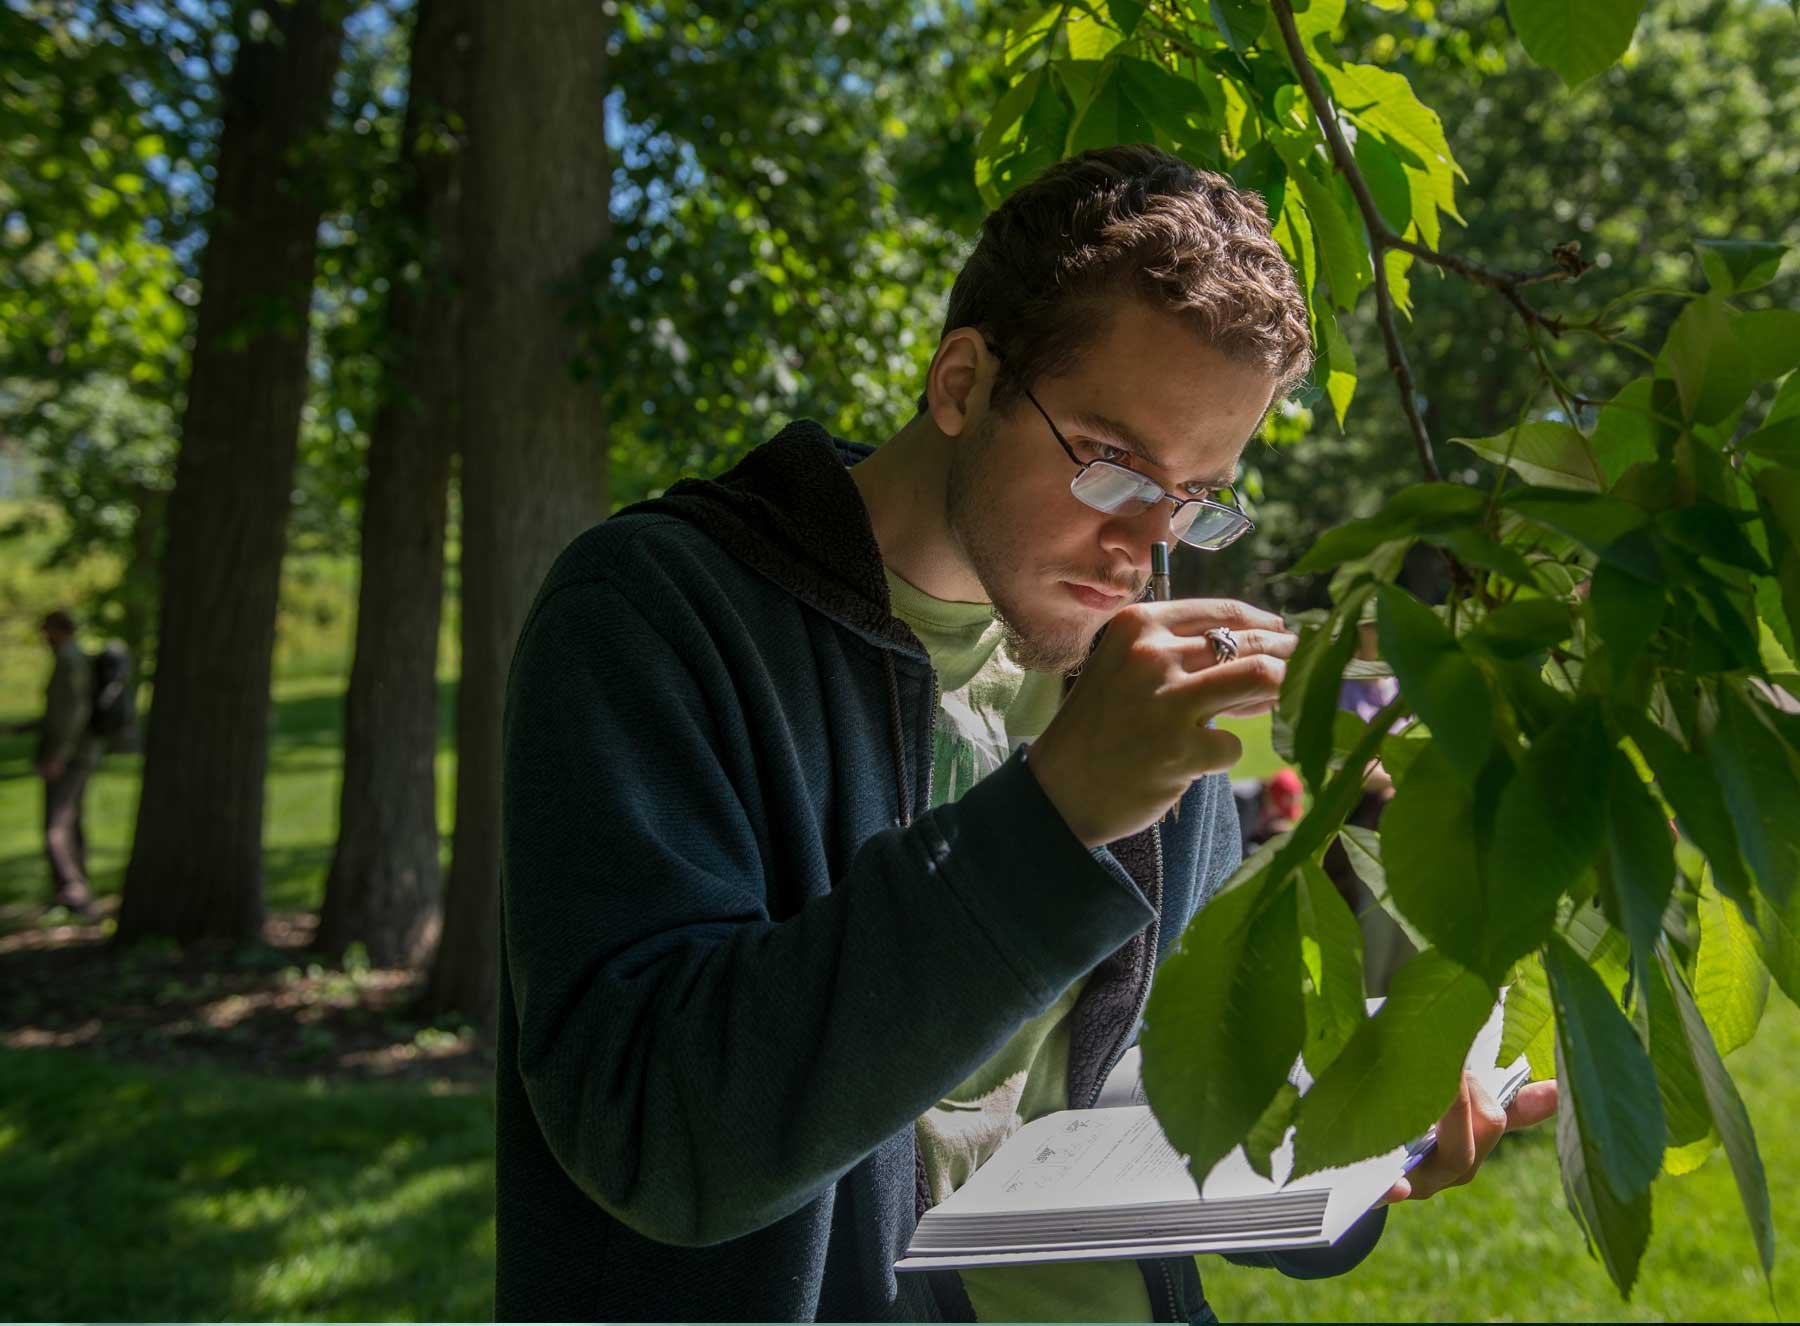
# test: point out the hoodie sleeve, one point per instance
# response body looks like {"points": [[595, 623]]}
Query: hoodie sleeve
{"points": [[697, 1068]]}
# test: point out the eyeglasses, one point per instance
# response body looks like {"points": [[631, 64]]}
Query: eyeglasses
{"points": [[1199, 522]]}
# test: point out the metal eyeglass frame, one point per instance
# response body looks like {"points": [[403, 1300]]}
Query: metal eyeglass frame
{"points": [[1244, 527]]}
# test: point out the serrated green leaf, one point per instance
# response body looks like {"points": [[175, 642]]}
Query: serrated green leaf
{"points": [[1736, 265], [1271, 1130], [1225, 1020], [1778, 442], [1617, 1229], [1125, 14], [1627, 611], [1687, 1119], [1756, 772], [1385, 174], [1340, 367], [1316, 673], [1770, 338], [1730, 1118], [1383, 101], [1440, 681], [1731, 984], [1713, 369], [1622, 434], [1399, 1072], [1521, 629], [1292, 230], [1422, 508], [1428, 853], [1343, 255], [1362, 849], [1332, 955], [1711, 531], [1112, 115], [1606, 1073], [1688, 786], [1548, 830], [1576, 38], [1640, 872], [1778, 501], [1239, 21], [1603, 523], [1528, 1010], [1551, 454], [1090, 39]]}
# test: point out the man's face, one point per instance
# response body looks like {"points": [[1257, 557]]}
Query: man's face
{"points": [[1055, 568]]}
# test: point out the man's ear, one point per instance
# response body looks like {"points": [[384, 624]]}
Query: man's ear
{"points": [[956, 388]]}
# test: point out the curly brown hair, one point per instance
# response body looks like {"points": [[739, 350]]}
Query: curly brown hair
{"points": [[1053, 256]]}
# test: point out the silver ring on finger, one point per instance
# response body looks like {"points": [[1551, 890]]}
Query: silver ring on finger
{"points": [[1224, 643]]}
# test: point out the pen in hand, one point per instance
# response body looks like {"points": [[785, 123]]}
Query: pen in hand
{"points": [[1161, 592]]}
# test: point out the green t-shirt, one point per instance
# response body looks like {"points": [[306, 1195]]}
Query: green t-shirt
{"points": [[987, 705]]}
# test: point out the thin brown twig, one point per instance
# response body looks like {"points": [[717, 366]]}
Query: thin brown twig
{"points": [[1384, 300], [1567, 264]]}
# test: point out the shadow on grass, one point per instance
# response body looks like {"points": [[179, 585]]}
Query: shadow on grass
{"points": [[200, 1195], [317, 720]]}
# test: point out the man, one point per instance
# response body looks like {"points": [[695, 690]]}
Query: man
{"points": [[818, 879], [68, 752]]}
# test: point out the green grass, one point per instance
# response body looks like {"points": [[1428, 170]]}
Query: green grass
{"points": [[132, 1194]]}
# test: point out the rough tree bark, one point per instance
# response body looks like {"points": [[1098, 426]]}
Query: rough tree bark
{"points": [[196, 860], [534, 463], [384, 885]]}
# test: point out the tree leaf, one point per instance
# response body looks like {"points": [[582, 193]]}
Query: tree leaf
{"points": [[1125, 14], [1735, 265], [1524, 628], [1440, 682], [1623, 433], [1600, 522], [1627, 611], [1770, 338], [1756, 772], [1641, 860], [1316, 676], [1551, 454], [1687, 1118], [1384, 173], [1422, 508], [1530, 1024], [1689, 788], [1332, 955], [1617, 1229], [1576, 38], [1606, 1073], [1340, 366], [1343, 255], [1713, 367], [1382, 100], [1429, 857], [1362, 847], [1399, 1072], [1239, 21], [1549, 828], [1778, 501], [1271, 1130], [1090, 39], [1731, 984], [1730, 1119], [1225, 1020]]}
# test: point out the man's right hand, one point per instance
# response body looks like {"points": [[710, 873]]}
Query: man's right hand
{"points": [[1132, 734]]}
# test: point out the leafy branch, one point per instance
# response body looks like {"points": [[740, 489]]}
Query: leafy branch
{"points": [[1568, 263]]}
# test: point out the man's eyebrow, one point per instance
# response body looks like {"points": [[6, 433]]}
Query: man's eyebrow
{"points": [[1117, 431]]}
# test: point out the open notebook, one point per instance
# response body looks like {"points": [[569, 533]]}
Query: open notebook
{"points": [[1085, 1185]]}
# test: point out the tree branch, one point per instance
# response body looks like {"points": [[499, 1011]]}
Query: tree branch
{"points": [[1378, 232], [1567, 263]]}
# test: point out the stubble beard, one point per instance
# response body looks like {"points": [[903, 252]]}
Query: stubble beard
{"points": [[998, 550]]}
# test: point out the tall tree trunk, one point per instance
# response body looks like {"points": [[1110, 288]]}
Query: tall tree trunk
{"points": [[196, 860], [534, 464], [383, 887]]}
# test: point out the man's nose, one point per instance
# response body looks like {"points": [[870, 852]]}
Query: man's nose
{"points": [[1133, 534]]}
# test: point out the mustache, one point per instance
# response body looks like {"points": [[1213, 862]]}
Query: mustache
{"points": [[1131, 586]]}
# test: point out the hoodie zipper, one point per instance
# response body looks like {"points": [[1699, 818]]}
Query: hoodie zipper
{"points": [[1117, 1052]]}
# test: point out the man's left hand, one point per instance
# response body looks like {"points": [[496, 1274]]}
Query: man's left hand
{"points": [[1468, 1133], [51, 769]]}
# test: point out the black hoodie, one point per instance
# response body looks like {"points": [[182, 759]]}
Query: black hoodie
{"points": [[738, 957]]}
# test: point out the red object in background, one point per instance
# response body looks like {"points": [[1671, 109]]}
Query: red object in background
{"points": [[1282, 794]]}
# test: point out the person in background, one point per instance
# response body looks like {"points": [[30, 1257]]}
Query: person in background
{"points": [[68, 752]]}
